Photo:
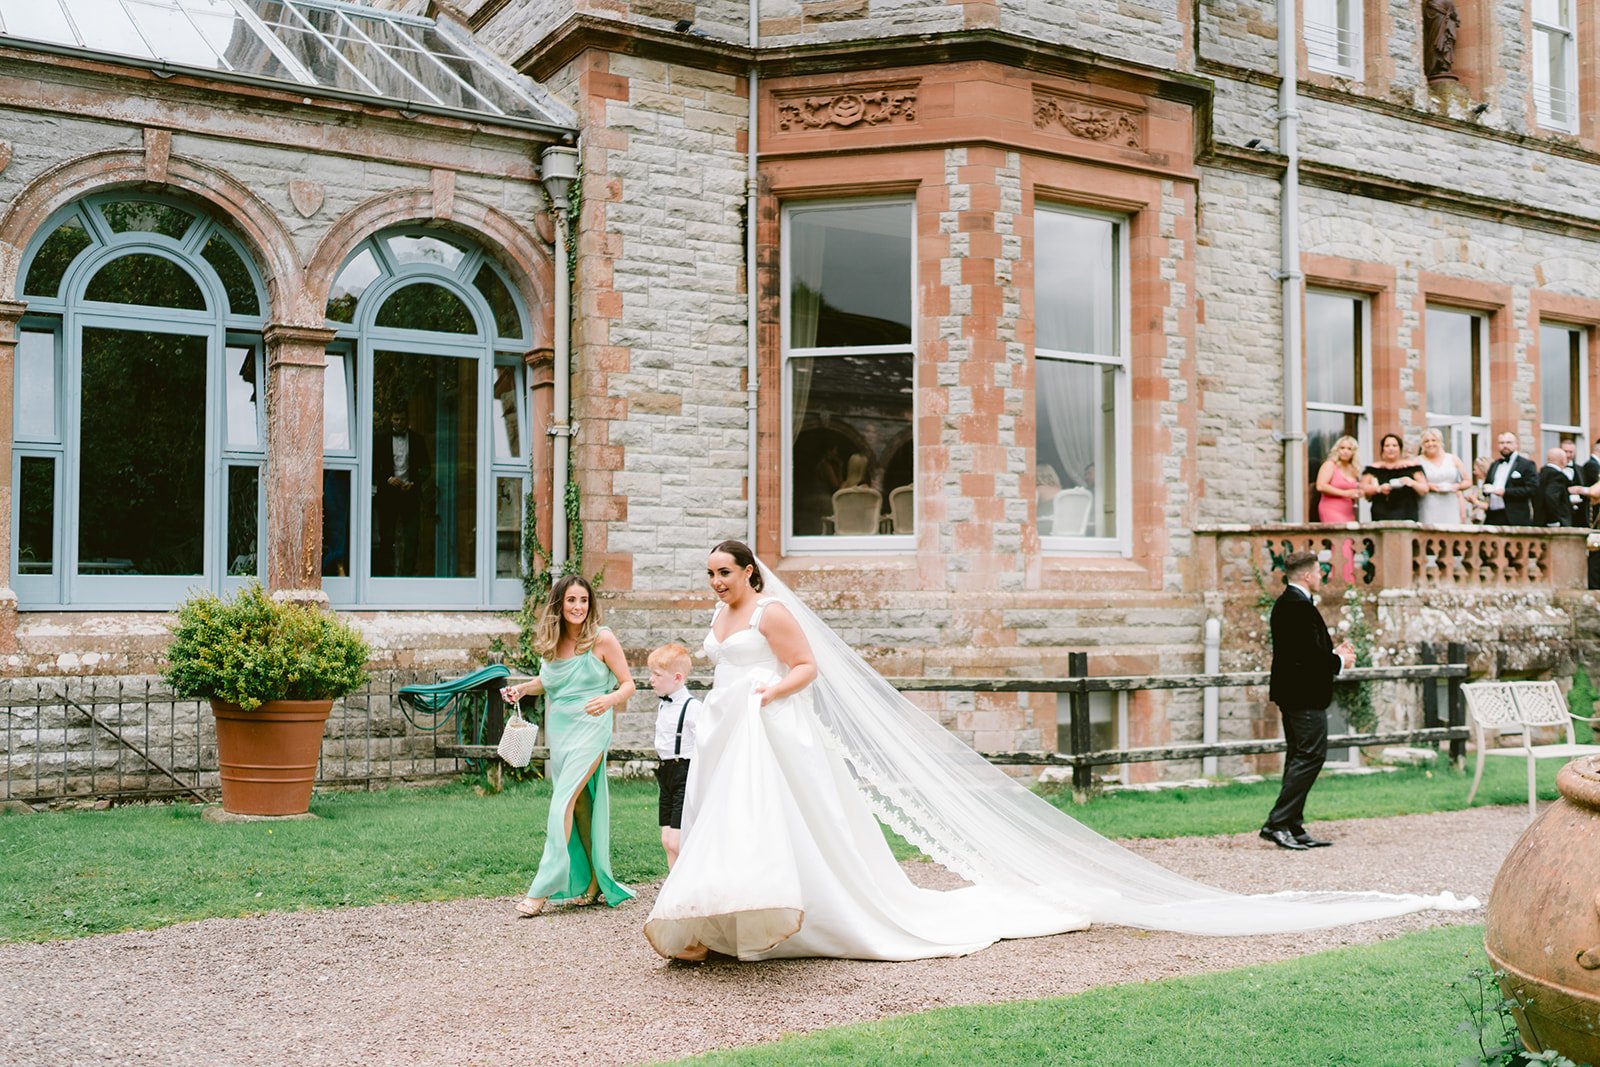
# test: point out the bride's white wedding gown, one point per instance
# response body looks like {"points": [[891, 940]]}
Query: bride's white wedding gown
{"points": [[781, 855]]}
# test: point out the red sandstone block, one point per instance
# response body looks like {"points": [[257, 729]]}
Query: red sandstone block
{"points": [[606, 86]]}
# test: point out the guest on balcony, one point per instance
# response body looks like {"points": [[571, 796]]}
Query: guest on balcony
{"points": [[1554, 505], [1445, 476], [1582, 479], [1511, 486], [1339, 483], [1477, 499], [1393, 482]]}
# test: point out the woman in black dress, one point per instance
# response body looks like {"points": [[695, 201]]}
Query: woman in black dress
{"points": [[1392, 482]]}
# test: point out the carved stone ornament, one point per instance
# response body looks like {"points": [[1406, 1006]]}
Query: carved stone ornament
{"points": [[1090, 121], [306, 196], [5, 155], [865, 107]]}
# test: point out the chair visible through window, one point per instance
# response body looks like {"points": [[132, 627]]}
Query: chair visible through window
{"points": [[1069, 515], [902, 510], [855, 511]]}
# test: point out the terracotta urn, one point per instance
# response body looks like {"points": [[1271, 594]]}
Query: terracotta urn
{"points": [[1543, 927], [267, 757]]}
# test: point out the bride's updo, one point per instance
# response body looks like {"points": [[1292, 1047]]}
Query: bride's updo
{"points": [[742, 557]]}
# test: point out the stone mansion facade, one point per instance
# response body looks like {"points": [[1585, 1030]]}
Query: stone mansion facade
{"points": [[1003, 329]]}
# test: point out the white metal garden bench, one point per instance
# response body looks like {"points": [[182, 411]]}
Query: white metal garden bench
{"points": [[1500, 708]]}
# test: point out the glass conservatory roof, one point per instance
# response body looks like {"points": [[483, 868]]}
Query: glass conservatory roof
{"points": [[321, 46]]}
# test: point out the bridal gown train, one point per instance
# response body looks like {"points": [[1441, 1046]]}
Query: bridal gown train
{"points": [[782, 855]]}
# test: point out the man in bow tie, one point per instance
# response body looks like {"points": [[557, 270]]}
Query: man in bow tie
{"points": [[1512, 483], [1304, 663]]}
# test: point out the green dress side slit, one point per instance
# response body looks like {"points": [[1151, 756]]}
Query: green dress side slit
{"points": [[576, 741]]}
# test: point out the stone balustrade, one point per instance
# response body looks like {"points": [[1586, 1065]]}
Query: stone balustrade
{"points": [[1394, 555]]}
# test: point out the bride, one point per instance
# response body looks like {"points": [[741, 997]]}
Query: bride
{"points": [[801, 743]]}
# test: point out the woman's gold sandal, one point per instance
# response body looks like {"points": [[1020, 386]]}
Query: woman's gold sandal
{"points": [[528, 907]]}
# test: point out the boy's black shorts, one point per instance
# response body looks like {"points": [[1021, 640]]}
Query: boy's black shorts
{"points": [[672, 775]]}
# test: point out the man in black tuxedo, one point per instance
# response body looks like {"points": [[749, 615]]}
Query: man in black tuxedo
{"points": [[1510, 486], [401, 473], [1581, 476], [1554, 505], [1304, 663]]}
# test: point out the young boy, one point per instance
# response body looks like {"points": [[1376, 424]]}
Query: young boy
{"points": [[669, 666]]}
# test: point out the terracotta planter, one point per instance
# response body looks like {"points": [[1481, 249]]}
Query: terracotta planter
{"points": [[267, 758], [1543, 927]]}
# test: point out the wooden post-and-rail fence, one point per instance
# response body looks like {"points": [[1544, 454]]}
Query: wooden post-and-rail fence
{"points": [[1450, 727]]}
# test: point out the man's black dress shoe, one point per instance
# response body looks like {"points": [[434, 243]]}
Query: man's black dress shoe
{"points": [[1283, 839], [1311, 842]]}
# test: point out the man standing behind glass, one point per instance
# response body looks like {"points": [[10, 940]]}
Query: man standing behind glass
{"points": [[400, 469]]}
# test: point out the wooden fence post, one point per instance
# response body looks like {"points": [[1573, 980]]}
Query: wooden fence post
{"points": [[1430, 689], [1458, 705], [1082, 773]]}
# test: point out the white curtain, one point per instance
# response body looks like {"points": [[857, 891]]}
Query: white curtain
{"points": [[1068, 407], [806, 249]]}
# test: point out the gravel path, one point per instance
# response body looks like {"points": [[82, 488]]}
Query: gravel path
{"points": [[465, 982]]}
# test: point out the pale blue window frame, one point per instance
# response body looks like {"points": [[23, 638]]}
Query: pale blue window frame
{"points": [[491, 349], [66, 314]]}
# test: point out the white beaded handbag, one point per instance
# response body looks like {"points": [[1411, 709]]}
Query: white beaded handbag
{"points": [[517, 742]]}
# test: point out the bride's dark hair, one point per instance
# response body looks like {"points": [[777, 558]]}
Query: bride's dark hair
{"points": [[742, 557]]}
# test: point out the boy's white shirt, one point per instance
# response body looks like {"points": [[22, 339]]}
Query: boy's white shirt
{"points": [[667, 724]]}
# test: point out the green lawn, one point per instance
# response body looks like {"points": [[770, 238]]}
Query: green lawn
{"points": [[1382, 1005], [1239, 808], [73, 873], [68, 874]]}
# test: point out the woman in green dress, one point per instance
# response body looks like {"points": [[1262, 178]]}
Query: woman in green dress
{"points": [[583, 677]]}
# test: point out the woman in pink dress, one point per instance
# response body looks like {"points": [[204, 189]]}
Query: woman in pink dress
{"points": [[1339, 483], [1338, 489]]}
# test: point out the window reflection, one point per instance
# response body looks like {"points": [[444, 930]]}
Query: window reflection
{"points": [[152, 281], [142, 464], [36, 386], [424, 465], [50, 263], [36, 514], [850, 276], [244, 524], [336, 522], [507, 420], [243, 416], [508, 528], [425, 306], [336, 403], [851, 451], [1076, 406], [360, 272]]}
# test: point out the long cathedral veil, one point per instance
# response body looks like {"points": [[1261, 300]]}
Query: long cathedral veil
{"points": [[976, 820]]}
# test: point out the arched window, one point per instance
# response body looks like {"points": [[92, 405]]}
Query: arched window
{"points": [[138, 434], [425, 461]]}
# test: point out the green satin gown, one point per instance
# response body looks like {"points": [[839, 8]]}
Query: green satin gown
{"points": [[576, 741]]}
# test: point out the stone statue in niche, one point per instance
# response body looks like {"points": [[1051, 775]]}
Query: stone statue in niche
{"points": [[1440, 24]]}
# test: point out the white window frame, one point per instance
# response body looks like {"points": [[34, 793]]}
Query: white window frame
{"points": [[1467, 436], [1122, 542], [1560, 429], [821, 543], [1363, 410], [1335, 49], [1556, 106]]}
